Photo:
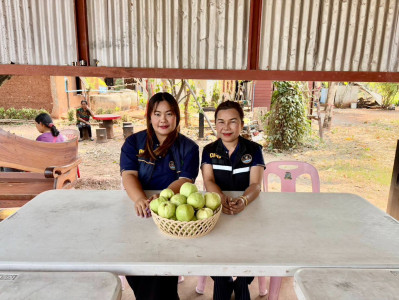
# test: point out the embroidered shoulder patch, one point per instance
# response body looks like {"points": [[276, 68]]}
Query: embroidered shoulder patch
{"points": [[246, 158]]}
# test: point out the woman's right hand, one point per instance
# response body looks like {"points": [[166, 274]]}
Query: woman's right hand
{"points": [[142, 208], [225, 204]]}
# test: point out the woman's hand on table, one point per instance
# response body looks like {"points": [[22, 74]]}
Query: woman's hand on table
{"points": [[153, 197], [225, 204], [236, 205], [143, 208]]}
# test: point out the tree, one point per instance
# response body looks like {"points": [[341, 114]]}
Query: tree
{"points": [[332, 89], [287, 122], [389, 92]]}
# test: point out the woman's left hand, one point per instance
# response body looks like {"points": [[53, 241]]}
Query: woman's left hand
{"points": [[153, 197], [236, 206]]}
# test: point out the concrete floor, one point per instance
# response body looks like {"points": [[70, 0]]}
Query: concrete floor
{"points": [[187, 290]]}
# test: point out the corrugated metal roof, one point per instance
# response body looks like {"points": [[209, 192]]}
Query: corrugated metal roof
{"points": [[169, 34], [38, 32], [330, 35], [296, 35]]}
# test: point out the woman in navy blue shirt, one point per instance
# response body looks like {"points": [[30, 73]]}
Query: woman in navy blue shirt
{"points": [[154, 159], [232, 163]]}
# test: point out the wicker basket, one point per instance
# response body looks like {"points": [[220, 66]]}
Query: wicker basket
{"points": [[190, 229]]}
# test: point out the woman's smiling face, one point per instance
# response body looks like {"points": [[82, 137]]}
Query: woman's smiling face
{"points": [[163, 120], [228, 125]]}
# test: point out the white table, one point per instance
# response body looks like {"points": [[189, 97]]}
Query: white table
{"points": [[59, 285], [75, 230], [346, 284]]}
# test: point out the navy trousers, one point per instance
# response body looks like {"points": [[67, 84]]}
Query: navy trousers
{"points": [[154, 287], [224, 286]]}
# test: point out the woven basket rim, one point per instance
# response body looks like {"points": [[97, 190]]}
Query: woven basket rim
{"points": [[210, 222]]}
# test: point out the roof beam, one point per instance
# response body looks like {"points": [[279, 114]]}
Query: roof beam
{"points": [[117, 72]]}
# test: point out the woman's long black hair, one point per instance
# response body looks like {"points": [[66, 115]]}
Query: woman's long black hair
{"points": [[46, 120], [149, 153]]}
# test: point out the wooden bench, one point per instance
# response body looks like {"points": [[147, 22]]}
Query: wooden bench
{"points": [[45, 166]]}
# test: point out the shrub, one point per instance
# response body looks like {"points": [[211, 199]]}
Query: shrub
{"points": [[99, 111], [287, 123], [28, 113], [2, 113], [23, 113], [12, 113], [71, 115], [125, 118]]}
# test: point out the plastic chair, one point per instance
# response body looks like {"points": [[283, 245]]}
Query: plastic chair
{"points": [[288, 184]]}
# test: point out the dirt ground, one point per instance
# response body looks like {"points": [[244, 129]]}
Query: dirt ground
{"points": [[356, 156]]}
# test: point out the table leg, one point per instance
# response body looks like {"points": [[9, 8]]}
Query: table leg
{"points": [[109, 126]]}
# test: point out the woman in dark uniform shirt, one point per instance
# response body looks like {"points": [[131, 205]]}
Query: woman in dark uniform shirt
{"points": [[154, 159], [232, 163]]}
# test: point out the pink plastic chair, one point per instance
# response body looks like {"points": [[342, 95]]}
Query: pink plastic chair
{"points": [[288, 184]]}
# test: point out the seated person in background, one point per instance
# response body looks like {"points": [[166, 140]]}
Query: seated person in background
{"points": [[49, 133], [83, 114]]}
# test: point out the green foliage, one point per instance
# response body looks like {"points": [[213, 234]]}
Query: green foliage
{"points": [[287, 123], [2, 113], [117, 109], [142, 99], [99, 111], [125, 118], [71, 115], [389, 92], [215, 95], [108, 111], [23, 113], [158, 87]]}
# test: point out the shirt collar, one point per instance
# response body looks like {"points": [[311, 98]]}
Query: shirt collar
{"points": [[239, 150]]}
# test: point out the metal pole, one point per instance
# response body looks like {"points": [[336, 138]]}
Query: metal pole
{"points": [[200, 107]]}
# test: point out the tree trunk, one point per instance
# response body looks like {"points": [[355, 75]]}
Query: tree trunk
{"points": [[332, 89], [186, 114], [317, 95]]}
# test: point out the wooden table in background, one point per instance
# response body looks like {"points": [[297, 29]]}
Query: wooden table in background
{"points": [[108, 123]]}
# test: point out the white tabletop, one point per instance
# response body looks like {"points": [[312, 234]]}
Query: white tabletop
{"points": [[346, 284], [60, 286], [75, 230]]}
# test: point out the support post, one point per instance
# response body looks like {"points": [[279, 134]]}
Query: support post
{"points": [[393, 200], [200, 107]]}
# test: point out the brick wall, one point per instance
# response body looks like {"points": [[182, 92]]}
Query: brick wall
{"points": [[27, 92]]}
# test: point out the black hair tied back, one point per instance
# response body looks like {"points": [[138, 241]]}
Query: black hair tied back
{"points": [[46, 120]]}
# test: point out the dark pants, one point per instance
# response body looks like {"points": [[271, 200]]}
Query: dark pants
{"points": [[224, 286], [81, 128], [154, 287]]}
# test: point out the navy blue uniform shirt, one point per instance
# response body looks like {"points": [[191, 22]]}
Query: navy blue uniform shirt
{"points": [[233, 173], [181, 161]]}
